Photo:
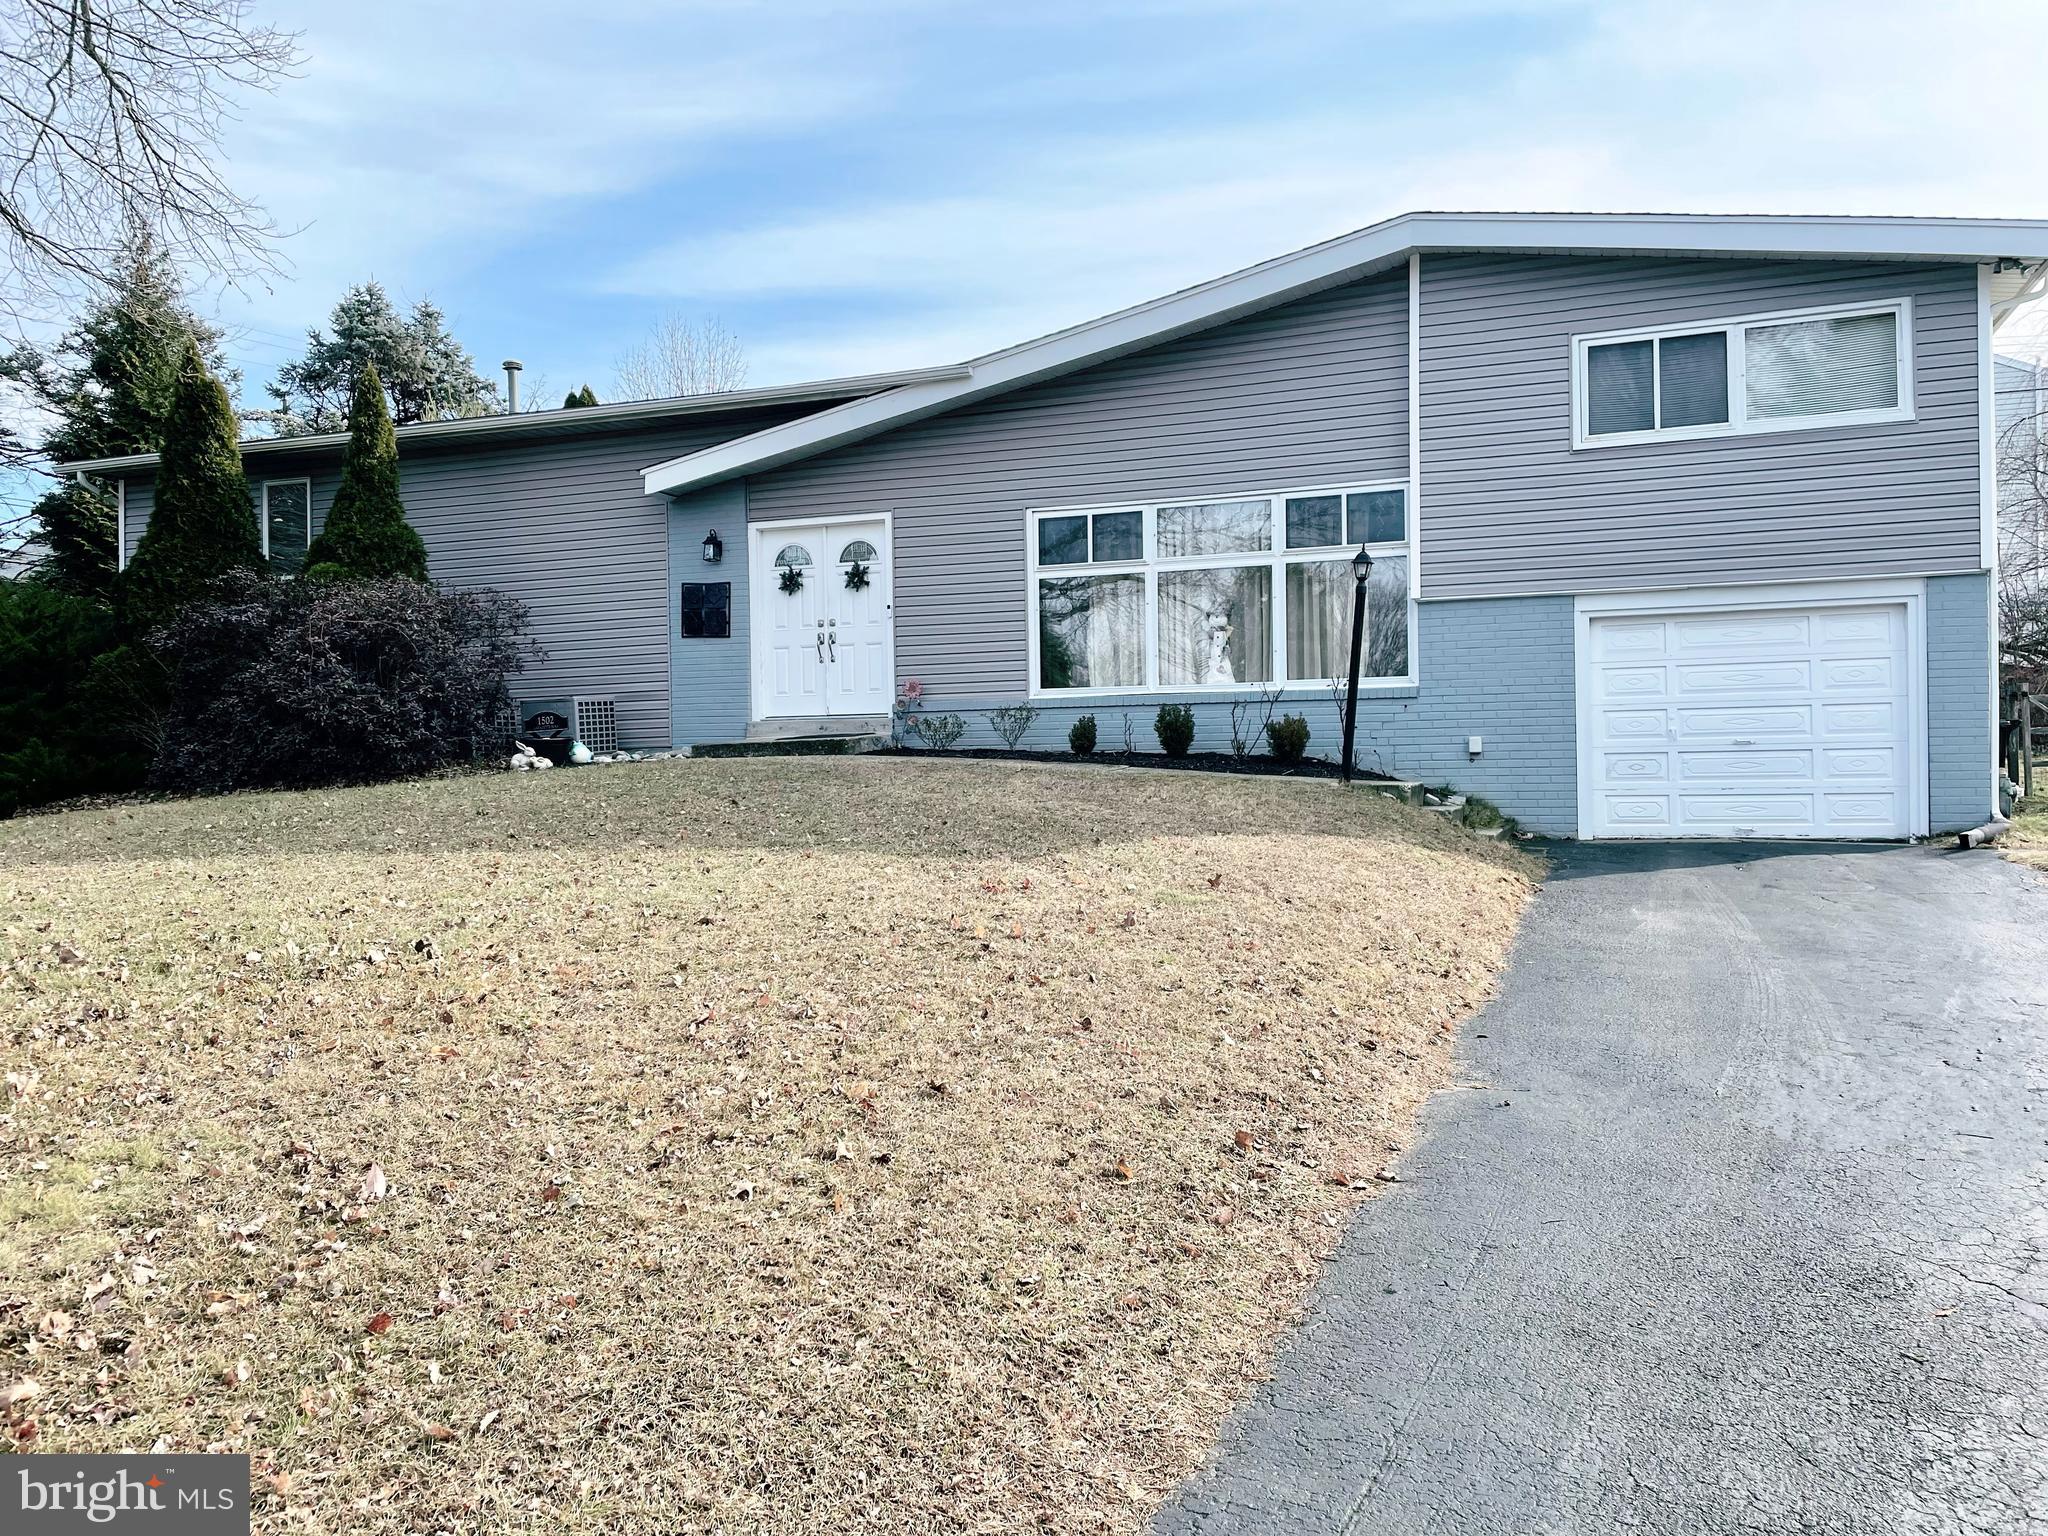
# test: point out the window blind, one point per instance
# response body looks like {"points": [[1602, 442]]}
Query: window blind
{"points": [[1822, 367]]}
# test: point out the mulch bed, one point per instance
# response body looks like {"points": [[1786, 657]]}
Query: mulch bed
{"points": [[1258, 765]]}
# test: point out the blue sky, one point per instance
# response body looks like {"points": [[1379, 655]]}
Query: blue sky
{"points": [[863, 186]]}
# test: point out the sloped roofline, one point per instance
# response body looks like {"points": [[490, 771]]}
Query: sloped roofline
{"points": [[1378, 247], [549, 423]]}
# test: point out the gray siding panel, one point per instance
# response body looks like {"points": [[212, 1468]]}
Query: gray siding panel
{"points": [[709, 680], [563, 525], [1310, 392], [1509, 507]]}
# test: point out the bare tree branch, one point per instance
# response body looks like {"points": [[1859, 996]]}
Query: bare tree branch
{"points": [[111, 114], [681, 357], [2022, 414]]}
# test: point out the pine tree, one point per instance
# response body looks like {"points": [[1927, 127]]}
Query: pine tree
{"points": [[366, 533], [77, 529], [577, 398], [427, 374], [203, 523], [106, 388]]}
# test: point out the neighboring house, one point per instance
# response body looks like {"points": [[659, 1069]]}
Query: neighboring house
{"points": [[2022, 424], [1680, 526]]}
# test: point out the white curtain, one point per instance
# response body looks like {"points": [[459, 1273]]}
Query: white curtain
{"points": [[1319, 619], [1216, 626], [1091, 632]]}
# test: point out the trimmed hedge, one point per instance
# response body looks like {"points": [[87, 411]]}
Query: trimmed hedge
{"points": [[307, 683]]}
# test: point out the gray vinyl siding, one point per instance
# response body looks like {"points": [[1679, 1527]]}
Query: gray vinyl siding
{"points": [[564, 525], [1509, 507], [1312, 392], [709, 680]]}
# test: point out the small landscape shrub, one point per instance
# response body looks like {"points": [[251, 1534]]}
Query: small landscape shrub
{"points": [[1011, 722], [1081, 736], [941, 731], [1288, 736], [1175, 727], [299, 684]]}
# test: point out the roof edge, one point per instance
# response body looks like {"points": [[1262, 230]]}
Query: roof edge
{"points": [[506, 424], [1346, 258]]}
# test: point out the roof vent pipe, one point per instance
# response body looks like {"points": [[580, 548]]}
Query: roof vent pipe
{"points": [[512, 366]]}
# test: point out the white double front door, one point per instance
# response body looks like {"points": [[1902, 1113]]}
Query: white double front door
{"points": [[822, 636]]}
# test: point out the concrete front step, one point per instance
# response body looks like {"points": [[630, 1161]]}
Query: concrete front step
{"points": [[794, 728], [793, 746], [1406, 791]]}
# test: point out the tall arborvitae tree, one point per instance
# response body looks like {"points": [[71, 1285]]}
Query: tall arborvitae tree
{"points": [[202, 524], [366, 534], [106, 390], [577, 398]]}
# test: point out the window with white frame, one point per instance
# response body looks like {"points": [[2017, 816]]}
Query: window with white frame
{"points": [[1767, 373], [286, 522], [1247, 590]]}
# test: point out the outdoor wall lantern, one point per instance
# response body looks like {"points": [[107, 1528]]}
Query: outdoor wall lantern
{"points": [[714, 548], [1361, 571]]}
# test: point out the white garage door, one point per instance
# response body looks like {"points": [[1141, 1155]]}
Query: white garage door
{"points": [[1775, 723]]}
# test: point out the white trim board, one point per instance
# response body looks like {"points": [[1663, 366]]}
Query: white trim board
{"points": [[1910, 593], [576, 419], [1377, 248]]}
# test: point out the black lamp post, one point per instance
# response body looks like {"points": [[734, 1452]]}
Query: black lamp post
{"points": [[1361, 571]]}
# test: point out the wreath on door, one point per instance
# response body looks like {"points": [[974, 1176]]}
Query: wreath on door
{"points": [[857, 576], [792, 579]]}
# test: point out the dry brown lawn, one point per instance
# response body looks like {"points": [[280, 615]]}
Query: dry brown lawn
{"points": [[796, 1145], [2027, 842]]}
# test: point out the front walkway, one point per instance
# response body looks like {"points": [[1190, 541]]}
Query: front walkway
{"points": [[1741, 1224]]}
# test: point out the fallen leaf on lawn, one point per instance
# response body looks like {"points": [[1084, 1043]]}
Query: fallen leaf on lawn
{"points": [[1243, 1140], [235, 1374], [487, 1421], [18, 1393], [374, 1184], [1223, 1215], [378, 1324]]}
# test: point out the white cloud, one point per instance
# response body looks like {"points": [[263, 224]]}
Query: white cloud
{"points": [[1873, 107], [416, 139]]}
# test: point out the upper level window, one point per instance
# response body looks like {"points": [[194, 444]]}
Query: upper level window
{"points": [[1770, 373], [286, 524], [1240, 591]]}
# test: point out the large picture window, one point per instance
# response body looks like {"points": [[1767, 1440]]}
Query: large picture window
{"points": [[1233, 592], [1767, 373]]}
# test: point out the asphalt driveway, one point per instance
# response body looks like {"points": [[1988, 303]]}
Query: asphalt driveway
{"points": [[1740, 1224]]}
